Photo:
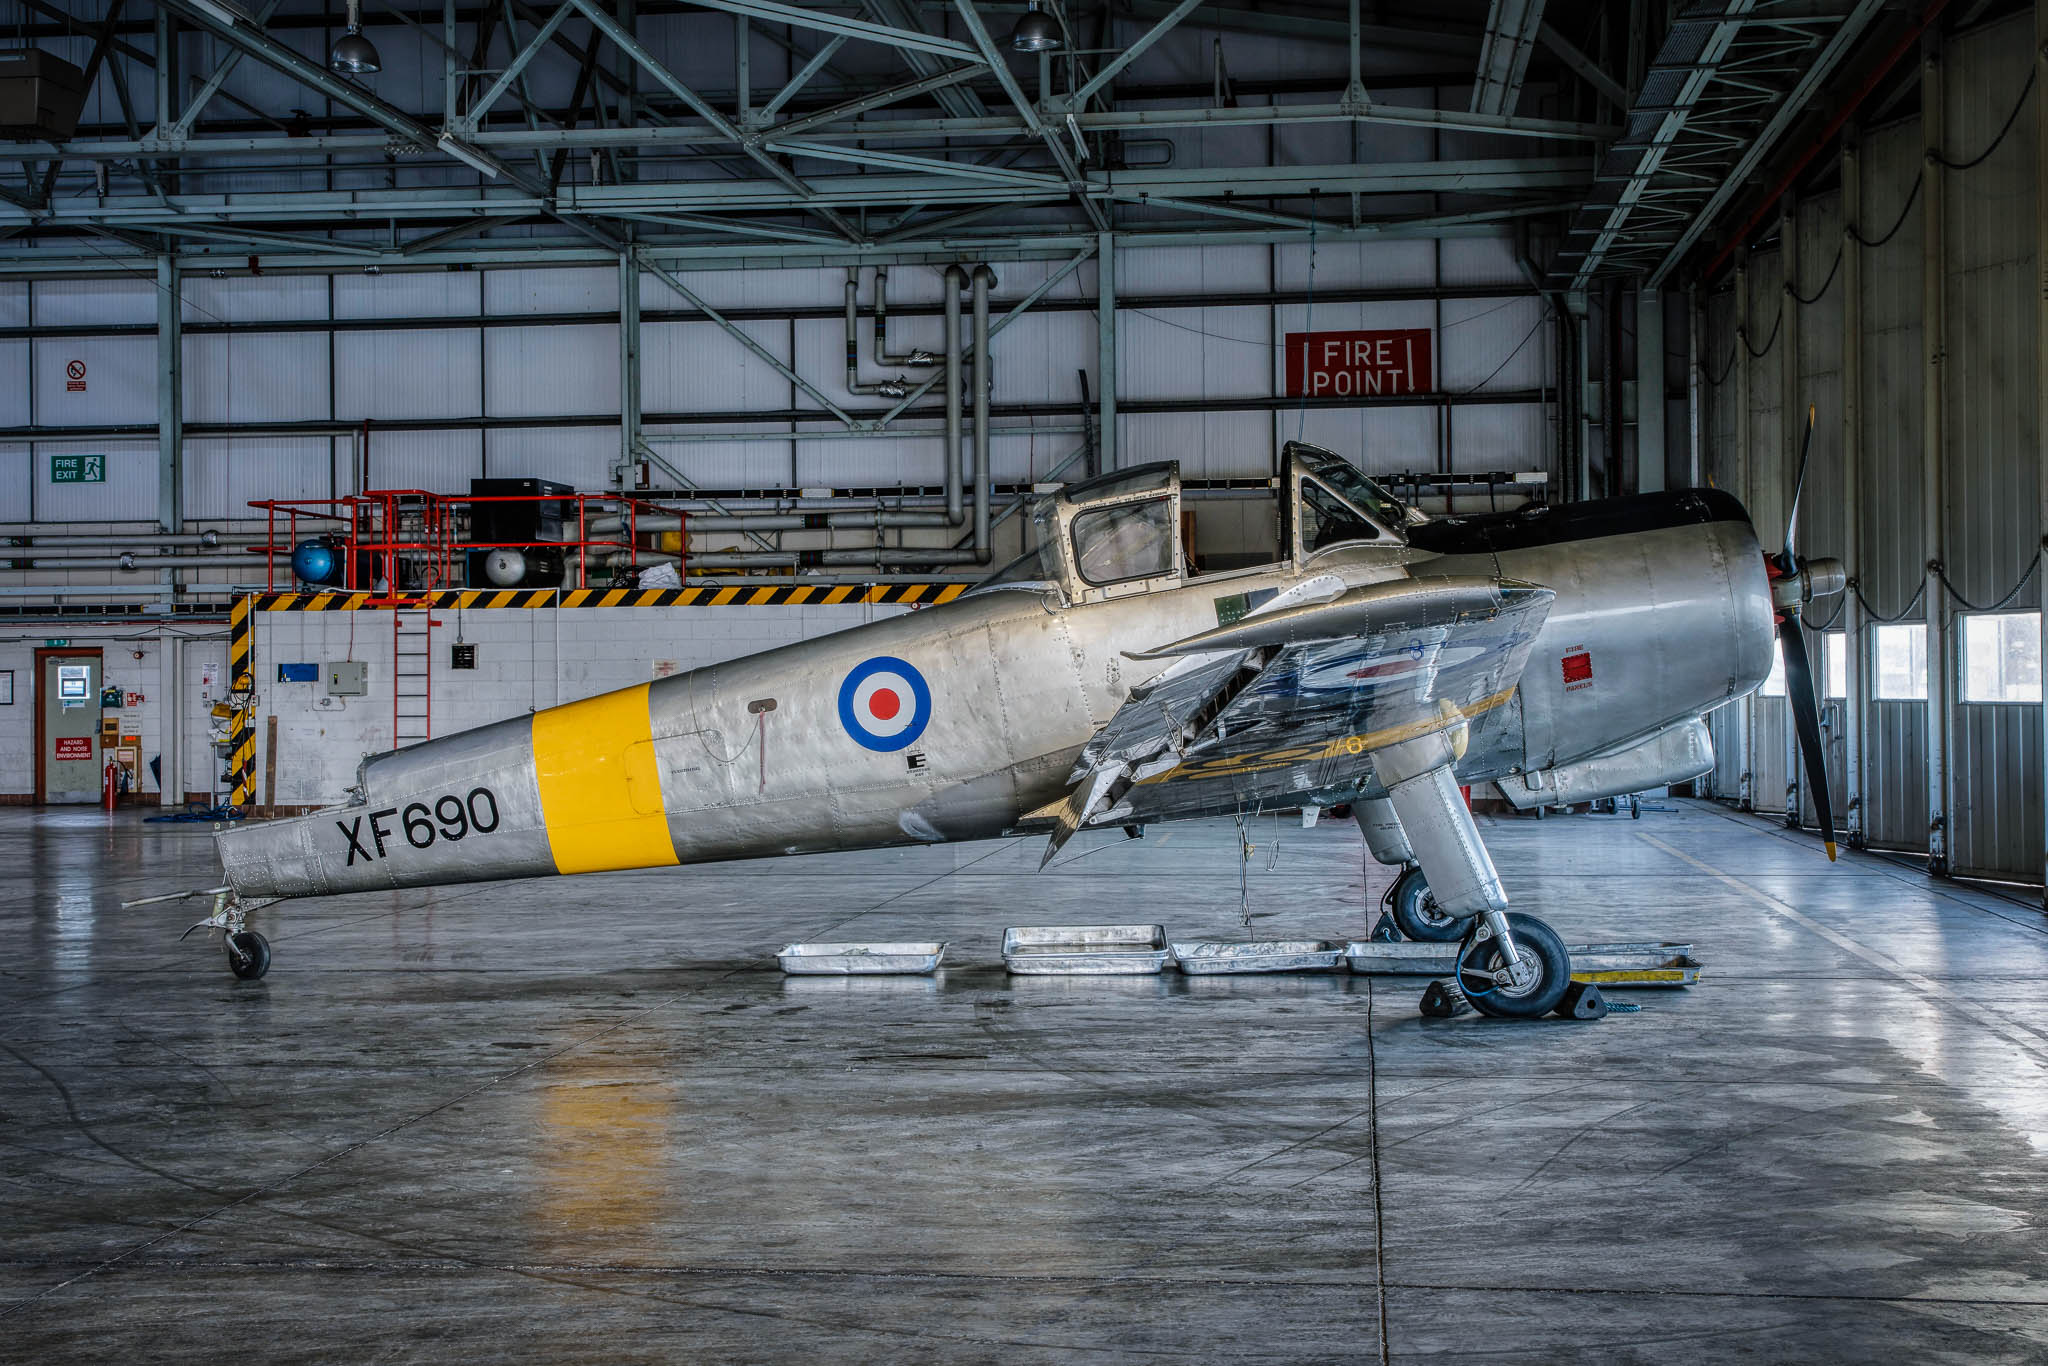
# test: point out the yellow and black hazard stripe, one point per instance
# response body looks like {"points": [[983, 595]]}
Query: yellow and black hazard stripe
{"points": [[734, 595], [241, 685]]}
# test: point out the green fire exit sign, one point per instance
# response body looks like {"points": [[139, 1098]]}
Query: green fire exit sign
{"points": [[78, 469]]}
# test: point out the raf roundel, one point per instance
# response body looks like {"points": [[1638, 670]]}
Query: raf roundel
{"points": [[885, 704]]}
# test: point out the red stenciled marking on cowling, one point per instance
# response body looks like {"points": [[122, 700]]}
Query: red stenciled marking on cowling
{"points": [[1578, 668], [884, 704]]}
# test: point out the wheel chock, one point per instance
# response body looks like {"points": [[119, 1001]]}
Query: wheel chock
{"points": [[1582, 1001], [1383, 931], [1443, 1001]]}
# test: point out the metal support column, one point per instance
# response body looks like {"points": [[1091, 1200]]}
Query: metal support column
{"points": [[1105, 348], [1746, 778], [1791, 430], [170, 402], [629, 366], [2041, 373], [1649, 390], [1934, 360], [1695, 337], [1856, 721], [1582, 473]]}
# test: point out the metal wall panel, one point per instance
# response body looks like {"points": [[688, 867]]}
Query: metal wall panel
{"points": [[1494, 344], [255, 376], [252, 298], [222, 476], [14, 387], [408, 374], [1895, 777], [543, 371], [409, 294], [550, 291], [1191, 270], [14, 303], [1893, 548], [439, 462], [128, 494], [1766, 495], [99, 299], [1998, 790], [581, 457], [16, 481], [689, 367], [120, 380]]}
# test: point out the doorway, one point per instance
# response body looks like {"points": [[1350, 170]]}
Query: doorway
{"points": [[68, 758]]}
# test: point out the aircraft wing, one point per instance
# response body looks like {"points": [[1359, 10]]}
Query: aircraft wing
{"points": [[1294, 699]]}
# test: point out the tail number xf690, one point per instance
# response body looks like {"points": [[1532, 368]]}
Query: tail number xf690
{"points": [[449, 818]]}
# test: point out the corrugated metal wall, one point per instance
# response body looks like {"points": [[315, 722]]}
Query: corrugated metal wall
{"points": [[1990, 449]]}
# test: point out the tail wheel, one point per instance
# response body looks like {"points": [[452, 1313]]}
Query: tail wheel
{"points": [[1416, 913], [1533, 940], [248, 955]]}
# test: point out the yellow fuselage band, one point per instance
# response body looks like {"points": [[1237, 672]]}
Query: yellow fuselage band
{"points": [[600, 791]]}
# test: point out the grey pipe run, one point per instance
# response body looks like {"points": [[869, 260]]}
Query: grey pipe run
{"points": [[955, 278], [888, 388], [984, 374], [143, 564], [710, 523], [142, 540], [914, 356]]}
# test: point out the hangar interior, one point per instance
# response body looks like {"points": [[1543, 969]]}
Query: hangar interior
{"points": [[374, 372]]}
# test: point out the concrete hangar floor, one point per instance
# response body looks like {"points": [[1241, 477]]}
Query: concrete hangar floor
{"points": [[588, 1120]]}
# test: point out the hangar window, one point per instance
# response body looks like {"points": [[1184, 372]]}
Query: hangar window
{"points": [[1899, 662], [2002, 657], [1835, 664]]}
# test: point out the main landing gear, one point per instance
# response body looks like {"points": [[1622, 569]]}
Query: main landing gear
{"points": [[1510, 965]]}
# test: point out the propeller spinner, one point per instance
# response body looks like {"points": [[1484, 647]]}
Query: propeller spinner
{"points": [[1795, 582]]}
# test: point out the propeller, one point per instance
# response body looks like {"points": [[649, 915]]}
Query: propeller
{"points": [[1788, 569]]}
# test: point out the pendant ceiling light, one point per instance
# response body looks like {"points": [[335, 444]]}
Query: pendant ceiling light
{"points": [[355, 55], [1036, 31]]}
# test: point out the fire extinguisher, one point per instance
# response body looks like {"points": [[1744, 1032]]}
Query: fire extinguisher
{"points": [[112, 792]]}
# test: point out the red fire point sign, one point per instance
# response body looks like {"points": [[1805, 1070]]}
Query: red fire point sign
{"points": [[1358, 364], [74, 377], [74, 747]]}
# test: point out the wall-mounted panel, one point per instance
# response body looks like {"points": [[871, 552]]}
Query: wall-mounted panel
{"points": [[99, 299], [223, 475], [252, 298], [255, 377], [408, 374], [117, 375], [551, 371]]}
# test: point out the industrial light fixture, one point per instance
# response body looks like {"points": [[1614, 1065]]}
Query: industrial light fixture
{"points": [[1036, 31], [468, 156], [355, 55]]}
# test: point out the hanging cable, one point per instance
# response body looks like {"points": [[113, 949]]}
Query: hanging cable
{"points": [[2010, 119], [1805, 300], [1856, 587], [1941, 572], [1776, 323], [1905, 210], [1714, 381]]}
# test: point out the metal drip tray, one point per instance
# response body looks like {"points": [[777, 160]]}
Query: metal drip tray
{"points": [[1085, 949], [1609, 965], [1257, 955], [841, 960]]}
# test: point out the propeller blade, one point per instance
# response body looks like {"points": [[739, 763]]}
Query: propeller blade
{"points": [[1798, 485], [1806, 716]]}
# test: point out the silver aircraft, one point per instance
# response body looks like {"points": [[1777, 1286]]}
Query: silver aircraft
{"points": [[1382, 660]]}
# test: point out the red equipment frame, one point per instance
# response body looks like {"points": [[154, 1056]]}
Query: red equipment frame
{"points": [[413, 525]]}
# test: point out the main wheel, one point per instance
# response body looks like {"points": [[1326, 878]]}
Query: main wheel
{"points": [[1415, 911], [1533, 939], [248, 955]]}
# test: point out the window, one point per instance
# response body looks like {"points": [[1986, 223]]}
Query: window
{"points": [[1326, 521], [1899, 662], [1835, 661], [1127, 541], [2002, 657]]}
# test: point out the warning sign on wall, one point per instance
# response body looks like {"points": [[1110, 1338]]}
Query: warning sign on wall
{"points": [[1358, 364], [74, 376], [74, 747]]}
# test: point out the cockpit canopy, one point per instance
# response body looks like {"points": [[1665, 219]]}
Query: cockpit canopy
{"points": [[1120, 533]]}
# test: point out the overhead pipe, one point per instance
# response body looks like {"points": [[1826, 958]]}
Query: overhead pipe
{"points": [[916, 355], [955, 278], [888, 388], [134, 563], [984, 380], [207, 539]]}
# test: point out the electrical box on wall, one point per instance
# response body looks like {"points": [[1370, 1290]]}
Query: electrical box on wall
{"points": [[348, 678], [462, 656], [298, 673]]}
